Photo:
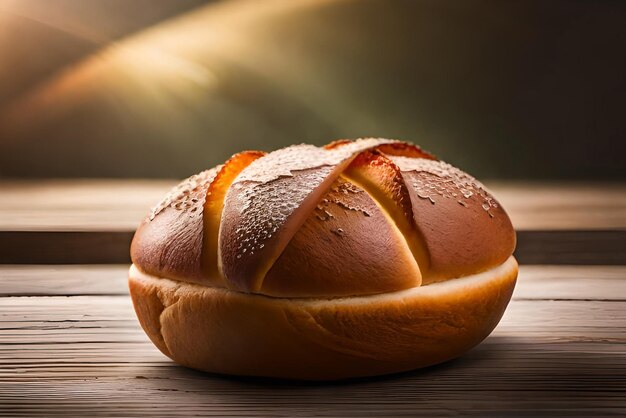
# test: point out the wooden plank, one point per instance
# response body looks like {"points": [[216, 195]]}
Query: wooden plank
{"points": [[547, 206], [119, 205], [534, 247], [65, 247], [78, 205], [111, 318], [536, 282], [86, 355], [571, 283], [443, 391], [63, 280], [92, 221], [571, 247], [191, 395]]}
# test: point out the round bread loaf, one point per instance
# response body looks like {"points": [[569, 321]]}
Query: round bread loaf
{"points": [[359, 258]]}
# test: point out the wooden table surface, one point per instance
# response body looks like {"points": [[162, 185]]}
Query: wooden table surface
{"points": [[70, 343]]}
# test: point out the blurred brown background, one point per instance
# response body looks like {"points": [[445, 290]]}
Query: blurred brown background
{"points": [[165, 88]]}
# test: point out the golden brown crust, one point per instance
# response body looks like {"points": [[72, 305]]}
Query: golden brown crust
{"points": [[270, 200], [389, 217], [213, 209], [336, 253], [382, 179], [169, 242], [224, 331], [463, 227], [265, 239]]}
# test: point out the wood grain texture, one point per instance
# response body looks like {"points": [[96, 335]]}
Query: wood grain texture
{"points": [[560, 350], [86, 355], [545, 206], [70, 343], [78, 205], [93, 221], [537, 282], [63, 280], [119, 205]]}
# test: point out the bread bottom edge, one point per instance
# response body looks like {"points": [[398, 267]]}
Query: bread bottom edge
{"points": [[227, 332]]}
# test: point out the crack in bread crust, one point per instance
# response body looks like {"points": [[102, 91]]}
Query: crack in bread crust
{"points": [[394, 202], [258, 211], [213, 208]]}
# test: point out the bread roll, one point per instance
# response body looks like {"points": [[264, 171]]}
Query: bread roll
{"points": [[356, 259]]}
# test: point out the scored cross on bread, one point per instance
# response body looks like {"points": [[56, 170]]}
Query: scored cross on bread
{"points": [[353, 218]]}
